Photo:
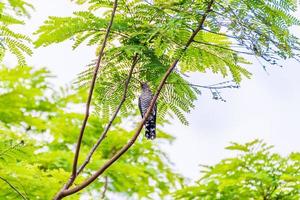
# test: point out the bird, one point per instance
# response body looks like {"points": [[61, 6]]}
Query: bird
{"points": [[144, 103]]}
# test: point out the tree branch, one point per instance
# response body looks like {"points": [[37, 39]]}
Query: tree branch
{"points": [[88, 103], [103, 135], [140, 126], [13, 187]]}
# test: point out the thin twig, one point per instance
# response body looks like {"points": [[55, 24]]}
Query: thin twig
{"points": [[105, 187], [222, 83], [11, 147], [87, 112], [13, 187], [222, 34], [221, 47], [140, 126], [112, 32], [209, 87], [103, 135], [236, 19]]}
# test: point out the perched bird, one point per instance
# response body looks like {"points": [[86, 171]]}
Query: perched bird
{"points": [[144, 103]]}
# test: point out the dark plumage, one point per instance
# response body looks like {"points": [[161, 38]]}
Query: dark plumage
{"points": [[144, 103]]}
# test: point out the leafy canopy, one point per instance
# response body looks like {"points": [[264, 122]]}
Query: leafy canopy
{"points": [[157, 32], [12, 12], [38, 127], [38, 124], [256, 173]]}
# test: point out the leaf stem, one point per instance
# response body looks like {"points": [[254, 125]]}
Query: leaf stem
{"points": [[13, 187]]}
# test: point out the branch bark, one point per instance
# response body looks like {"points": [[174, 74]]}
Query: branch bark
{"points": [[88, 104], [140, 126]]}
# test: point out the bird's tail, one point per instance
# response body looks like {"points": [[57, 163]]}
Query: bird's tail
{"points": [[150, 127]]}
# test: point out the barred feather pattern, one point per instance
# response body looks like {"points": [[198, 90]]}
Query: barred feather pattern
{"points": [[144, 103]]}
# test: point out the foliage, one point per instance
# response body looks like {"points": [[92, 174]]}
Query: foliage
{"points": [[158, 31], [12, 13], [39, 124], [256, 173], [37, 131]]}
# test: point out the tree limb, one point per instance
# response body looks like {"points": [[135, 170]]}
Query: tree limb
{"points": [[140, 126], [88, 103], [103, 135]]}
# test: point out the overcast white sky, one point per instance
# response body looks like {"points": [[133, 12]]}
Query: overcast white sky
{"points": [[265, 107]]}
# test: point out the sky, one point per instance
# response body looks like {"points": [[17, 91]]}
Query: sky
{"points": [[265, 107]]}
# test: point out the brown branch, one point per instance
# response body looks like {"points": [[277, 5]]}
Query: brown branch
{"points": [[13, 187], [87, 112], [88, 103], [140, 126], [103, 135], [105, 187]]}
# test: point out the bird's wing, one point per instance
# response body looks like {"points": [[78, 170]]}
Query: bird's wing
{"points": [[140, 107]]}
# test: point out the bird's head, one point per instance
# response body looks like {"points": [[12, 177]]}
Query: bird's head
{"points": [[144, 86]]}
